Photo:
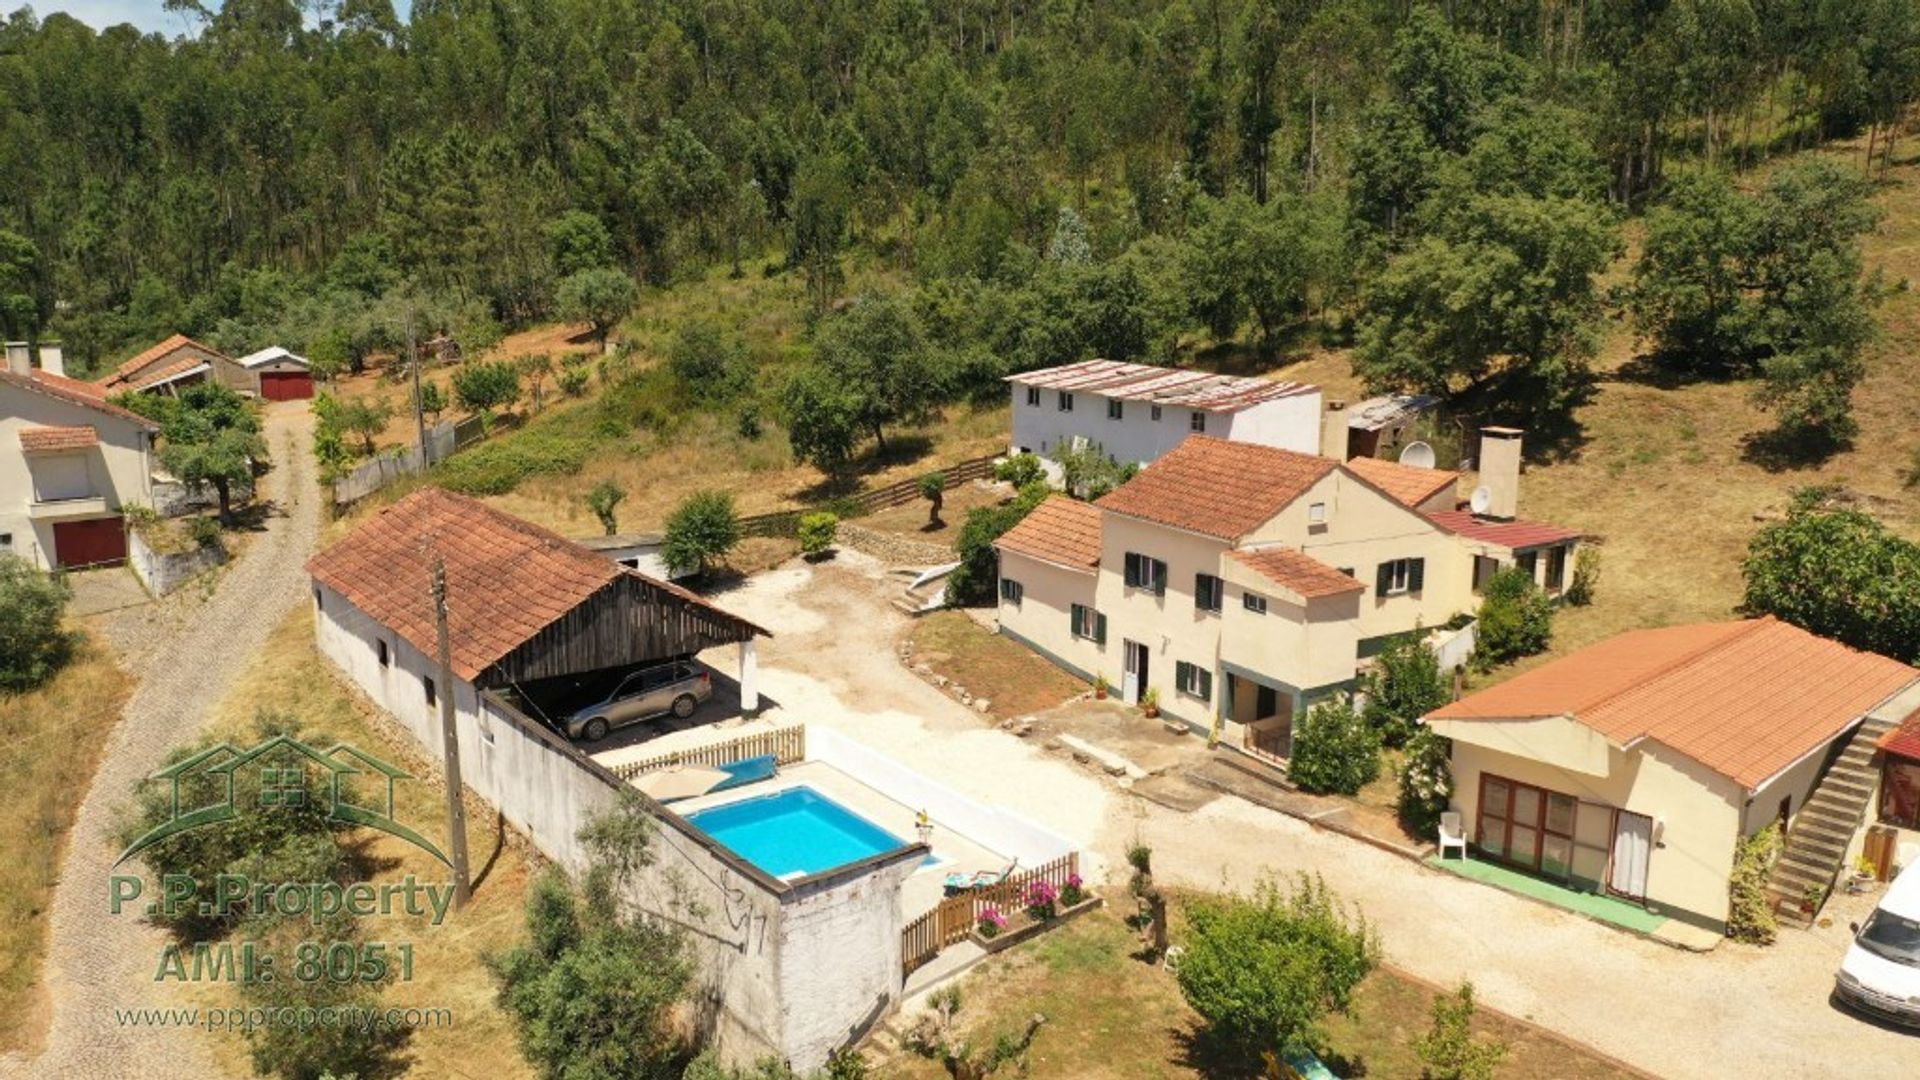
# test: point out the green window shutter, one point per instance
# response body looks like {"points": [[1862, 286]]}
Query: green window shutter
{"points": [[1206, 685], [1099, 628], [1416, 575], [1383, 579], [1074, 617]]}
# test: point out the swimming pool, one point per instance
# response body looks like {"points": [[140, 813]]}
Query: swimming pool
{"points": [[794, 832]]}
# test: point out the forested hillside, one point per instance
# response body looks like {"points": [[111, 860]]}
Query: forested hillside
{"points": [[1440, 184]]}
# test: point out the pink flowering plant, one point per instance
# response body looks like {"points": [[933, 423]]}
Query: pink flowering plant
{"points": [[1074, 892], [1042, 896], [991, 922]]}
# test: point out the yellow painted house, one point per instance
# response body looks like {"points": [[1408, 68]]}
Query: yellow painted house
{"points": [[1242, 582]]}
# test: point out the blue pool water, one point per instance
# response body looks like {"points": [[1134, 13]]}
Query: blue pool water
{"points": [[796, 831]]}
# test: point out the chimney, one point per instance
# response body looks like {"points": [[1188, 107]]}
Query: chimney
{"points": [[1334, 433], [52, 360], [1500, 470], [19, 358]]}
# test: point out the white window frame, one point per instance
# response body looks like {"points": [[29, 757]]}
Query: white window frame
{"points": [[1192, 680], [1151, 575], [1317, 513], [1033, 396], [1116, 409], [1197, 423], [1217, 589], [1253, 602], [1065, 402], [1012, 592], [1400, 577]]}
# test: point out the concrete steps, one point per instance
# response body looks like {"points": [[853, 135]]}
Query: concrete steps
{"points": [[1816, 847]]}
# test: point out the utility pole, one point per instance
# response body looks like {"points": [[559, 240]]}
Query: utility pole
{"points": [[419, 413], [450, 741]]}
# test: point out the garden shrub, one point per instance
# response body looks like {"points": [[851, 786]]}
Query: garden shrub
{"points": [[1263, 970], [1750, 911], [483, 387], [817, 531], [1586, 576], [35, 645], [497, 467], [1406, 684], [1335, 751], [1516, 619], [1426, 781], [700, 532], [1020, 470], [1449, 1049], [977, 576]]}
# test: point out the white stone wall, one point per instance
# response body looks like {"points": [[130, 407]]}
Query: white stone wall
{"points": [[753, 1003], [162, 574]]}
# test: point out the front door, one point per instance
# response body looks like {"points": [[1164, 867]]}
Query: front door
{"points": [[1632, 848], [1134, 680], [1530, 827]]}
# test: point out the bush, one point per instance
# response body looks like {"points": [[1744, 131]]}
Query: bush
{"points": [[1516, 619], [1750, 910], [817, 531], [594, 989], [1405, 685], [1449, 1050], [1426, 781], [204, 530], [975, 579], [1838, 573], [1262, 970], [1023, 469], [604, 500], [497, 467], [573, 381], [933, 488], [701, 532], [710, 362], [1334, 750], [1586, 576], [483, 387], [35, 646]]}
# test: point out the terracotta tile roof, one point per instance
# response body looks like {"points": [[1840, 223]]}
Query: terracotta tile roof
{"points": [[1217, 488], [1905, 739], [1408, 485], [1297, 571], [186, 365], [1515, 535], [40, 440], [126, 371], [1745, 699], [507, 579], [1060, 530], [74, 392], [1202, 390]]}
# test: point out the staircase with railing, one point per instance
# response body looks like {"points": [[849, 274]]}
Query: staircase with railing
{"points": [[1816, 846]]}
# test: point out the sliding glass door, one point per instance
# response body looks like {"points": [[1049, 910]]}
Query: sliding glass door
{"points": [[1527, 826]]}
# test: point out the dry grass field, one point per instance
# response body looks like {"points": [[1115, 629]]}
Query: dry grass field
{"points": [[50, 741]]}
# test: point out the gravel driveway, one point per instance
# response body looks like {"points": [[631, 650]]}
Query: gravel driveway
{"points": [[97, 963], [1737, 1012]]}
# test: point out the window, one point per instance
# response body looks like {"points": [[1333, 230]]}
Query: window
{"points": [[1033, 396], [6, 540], [1011, 591], [386, 658], [1254, 602], [1401, 576], [1145, 573], [1116, 409], [1900, 792], [1089, 624], [1197, 422], [426, 683], [1529, 562], [1317, 513], [1207, 591], [1066, 401], [1155, 413], [1556, 567], [1193, 680]]}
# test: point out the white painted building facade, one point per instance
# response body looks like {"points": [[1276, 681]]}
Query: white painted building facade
{"points": [[1136, 412]]}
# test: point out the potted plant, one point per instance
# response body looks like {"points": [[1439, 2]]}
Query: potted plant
{"points": [[1042, 900], [1812, 898], [1100, 687], [991, 922], [1074, 892], [1150, 702]]}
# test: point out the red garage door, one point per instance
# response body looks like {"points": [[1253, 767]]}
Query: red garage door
{"points": [[89, 543], [286, 385]]}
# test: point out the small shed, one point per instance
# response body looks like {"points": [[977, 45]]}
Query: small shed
{"points": [[283, 375], [1381, 426], [635, 551]]}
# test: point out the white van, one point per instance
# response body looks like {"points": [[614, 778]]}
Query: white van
{"points": [[1881, 972]]}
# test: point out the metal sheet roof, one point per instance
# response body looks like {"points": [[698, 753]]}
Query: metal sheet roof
{"points": [[1201, 390]]}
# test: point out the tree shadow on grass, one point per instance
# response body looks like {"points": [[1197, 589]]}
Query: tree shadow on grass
{"points": [[1780, 450]]}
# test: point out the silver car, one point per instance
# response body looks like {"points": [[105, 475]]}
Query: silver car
{"points": [[676, 688]]}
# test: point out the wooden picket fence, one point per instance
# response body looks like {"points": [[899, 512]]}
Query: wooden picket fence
{"points": [[788, 745], [898, 493], [951, 920]]}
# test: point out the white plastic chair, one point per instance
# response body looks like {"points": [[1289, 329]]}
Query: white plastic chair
{"points": [[1452, 834]]}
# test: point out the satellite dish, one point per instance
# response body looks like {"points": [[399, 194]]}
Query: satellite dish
{"points": [[1418, 455], [1481, 499]]}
